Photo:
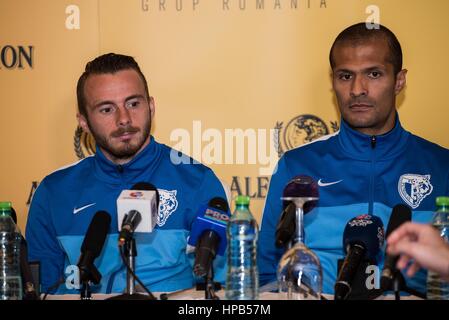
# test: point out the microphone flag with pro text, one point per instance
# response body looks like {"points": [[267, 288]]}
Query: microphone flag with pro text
{"points": [[208, 234]]}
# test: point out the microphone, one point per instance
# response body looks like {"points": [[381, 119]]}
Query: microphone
{"points": [[300, 192], [92, 245], [286, 226], [362, 239], [400, 214], [129, 224], [303, 191], [137, 209], [208, 234], [148, 187], [142, 198]]}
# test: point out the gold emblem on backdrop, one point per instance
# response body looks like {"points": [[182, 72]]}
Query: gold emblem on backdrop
{"points": [[300, 130], [84, 143]]}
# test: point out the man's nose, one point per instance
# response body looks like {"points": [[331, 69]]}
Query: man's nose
{"points": [[123, 117], [358, 87]]}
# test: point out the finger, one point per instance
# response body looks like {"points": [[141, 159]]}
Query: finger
{"points": [[413, 269], [408, 228], [402, 262]]}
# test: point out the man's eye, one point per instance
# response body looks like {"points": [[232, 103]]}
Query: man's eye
{"points": [[106, 110], [345, 76], [133, 104], [374, 74]]}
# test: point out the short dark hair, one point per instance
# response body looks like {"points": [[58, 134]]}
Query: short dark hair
{"points": [[359, 33], [106, 63]]}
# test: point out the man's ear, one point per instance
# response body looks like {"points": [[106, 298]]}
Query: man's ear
{"points": [[400, 81], [152, 106], [82, 122]]}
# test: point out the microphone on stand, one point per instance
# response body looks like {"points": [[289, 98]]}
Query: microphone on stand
{"points": [[391, 277], [208, 236], [129, 224], [90, 249], [299, 271], [137, 209], [285, 228], [300, 196], [400, 214], [362, 239]]}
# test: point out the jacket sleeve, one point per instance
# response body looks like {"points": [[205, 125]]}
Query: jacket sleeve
{"points": [[43, 245], [268, 255]]}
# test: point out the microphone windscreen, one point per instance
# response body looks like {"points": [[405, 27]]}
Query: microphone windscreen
{"points": [[400, 214], [365, 230], [219, 203], [96, 233], [302, 186], [210, 218], [146, 186]]}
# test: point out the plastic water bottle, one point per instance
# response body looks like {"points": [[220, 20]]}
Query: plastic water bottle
{"points": [[437, 288], [242, 282], [10, 279]]}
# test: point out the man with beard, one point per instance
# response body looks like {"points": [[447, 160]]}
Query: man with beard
{"points": [[370, 165], [114, 105]]}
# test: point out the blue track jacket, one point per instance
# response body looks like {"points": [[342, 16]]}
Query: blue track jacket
{"points": [[357, 174], [66, 201]]}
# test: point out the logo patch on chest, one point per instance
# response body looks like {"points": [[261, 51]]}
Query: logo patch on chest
{"points": [[167, 205], [413, 188]]}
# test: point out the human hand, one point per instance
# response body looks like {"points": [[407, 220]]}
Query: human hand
{"points": [[421, 245]]}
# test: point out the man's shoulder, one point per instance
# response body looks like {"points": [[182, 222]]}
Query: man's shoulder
{"points": [[318, 146], [430, 147], [69, 171], [183, 164]]}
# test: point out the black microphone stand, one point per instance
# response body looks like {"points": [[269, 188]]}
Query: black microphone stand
{"points": [[130, 252], [209, 288], [86, 294], [398, 284], [88, 275]]}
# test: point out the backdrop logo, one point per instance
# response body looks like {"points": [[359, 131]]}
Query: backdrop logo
{"points": [[230, 5], [16, 57], [300, 130], [84, 143]]}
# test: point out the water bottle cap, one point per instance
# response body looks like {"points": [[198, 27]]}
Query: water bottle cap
{"points": [[5, 205], [242, 200], [442, 201]]}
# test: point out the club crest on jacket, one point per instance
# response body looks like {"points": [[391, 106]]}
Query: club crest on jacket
{"points": [[413, 188], [167, 205]]}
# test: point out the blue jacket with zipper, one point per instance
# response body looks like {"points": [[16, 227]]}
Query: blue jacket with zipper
{"points": [[66, 201], [356, 174]]}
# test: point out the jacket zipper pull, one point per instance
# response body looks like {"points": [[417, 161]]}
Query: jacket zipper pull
{"points": [[373, 142]]}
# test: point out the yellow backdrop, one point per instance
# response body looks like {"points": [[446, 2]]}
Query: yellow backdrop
{"points": [[214, 64]]}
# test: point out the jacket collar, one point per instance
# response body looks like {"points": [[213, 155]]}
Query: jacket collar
{"points": [[360, 146], [135, 170]]}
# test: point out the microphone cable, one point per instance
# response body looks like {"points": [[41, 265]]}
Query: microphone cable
{"points": [[53, 287]]}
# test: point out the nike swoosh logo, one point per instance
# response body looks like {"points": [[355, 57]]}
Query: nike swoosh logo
{"points": [[326, 184], [76, 210]]}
